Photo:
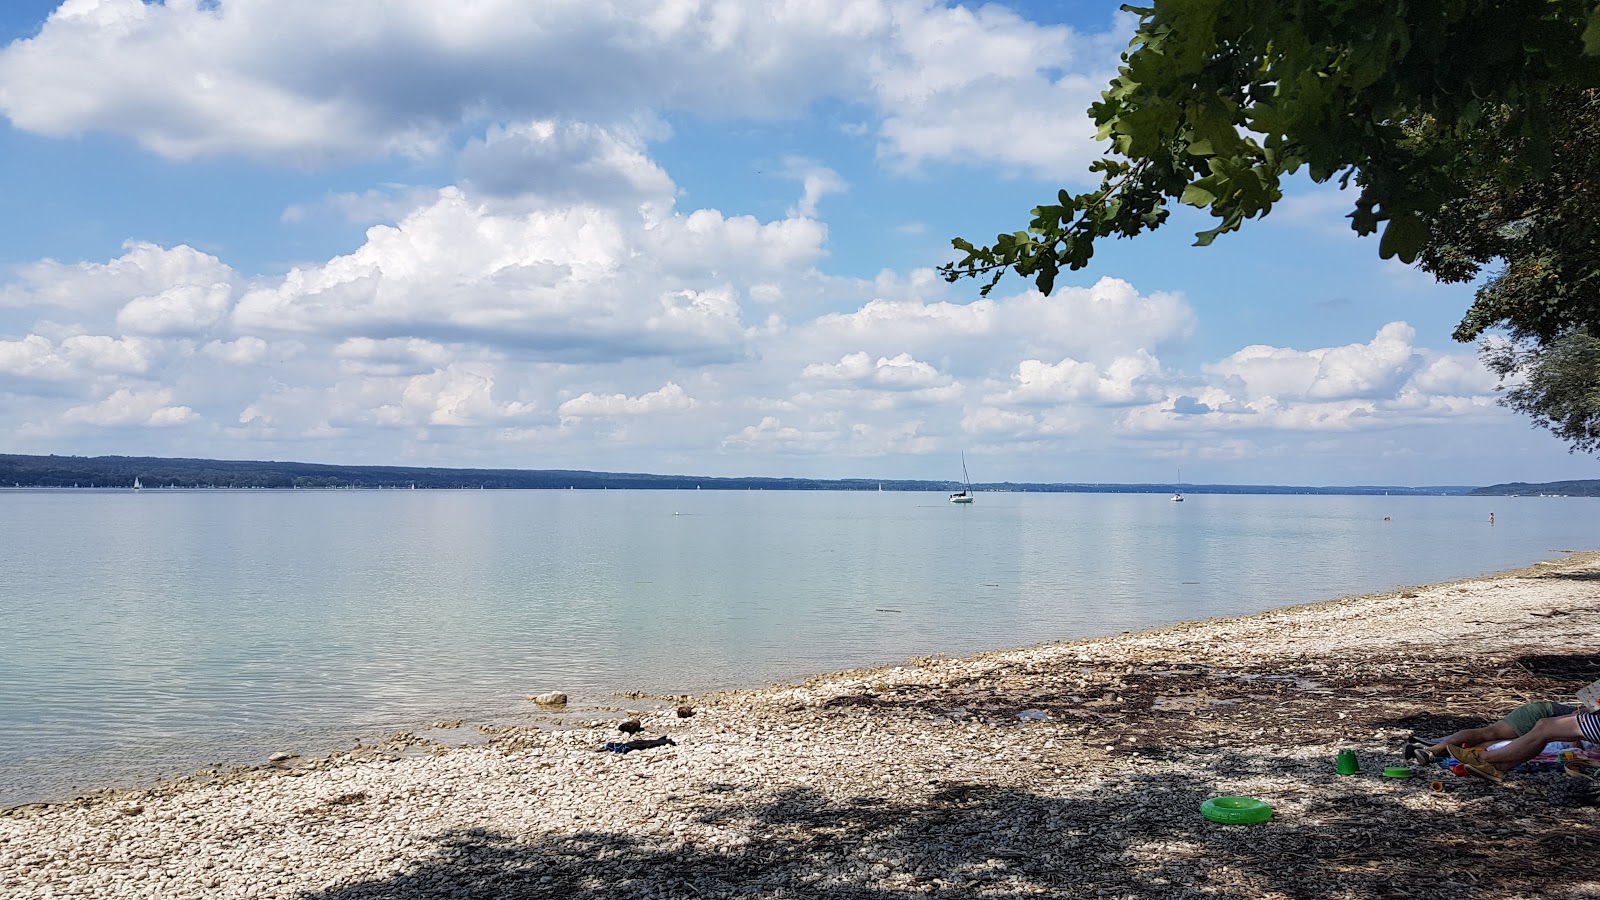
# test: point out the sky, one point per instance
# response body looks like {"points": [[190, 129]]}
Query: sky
{"points": [[682, 237]]}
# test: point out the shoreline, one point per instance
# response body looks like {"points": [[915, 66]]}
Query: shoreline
{"points": [[845, 782], [595, 710]]}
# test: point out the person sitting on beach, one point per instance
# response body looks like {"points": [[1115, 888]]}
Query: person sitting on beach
{"points": [[1494, 763], [1526, 730], [1517, 723]]}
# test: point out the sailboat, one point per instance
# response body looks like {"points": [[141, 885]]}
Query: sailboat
{"points": [[964, 495], [1176, 496], [136, 485]]}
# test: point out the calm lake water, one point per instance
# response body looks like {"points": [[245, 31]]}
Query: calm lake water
{"points": [[148, 634]]}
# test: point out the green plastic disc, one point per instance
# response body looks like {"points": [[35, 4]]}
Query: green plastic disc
{"points": [[1397, 772], [1236, 810]]}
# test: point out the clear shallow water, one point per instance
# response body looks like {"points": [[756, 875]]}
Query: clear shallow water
{"points": [[149, 634]]}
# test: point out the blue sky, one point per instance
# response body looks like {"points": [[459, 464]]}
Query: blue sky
{"points": [[683, 237]]}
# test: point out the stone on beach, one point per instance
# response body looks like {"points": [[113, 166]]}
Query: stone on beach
{"points": [[552, 698]]}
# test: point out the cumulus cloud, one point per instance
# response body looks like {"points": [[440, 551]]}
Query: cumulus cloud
{"points": [[1354, 371], [182, 309], [1126, 380], [165, 288], [579, 282], [770, 434], [989, 85], [1097, 324], [307, 83], [670, 398], [128, 407], [899, 373], [74, 358], [1357, 387], [565, 162], [245, 351]]}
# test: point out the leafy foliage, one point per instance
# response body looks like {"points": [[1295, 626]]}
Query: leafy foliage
{"points": [[1218, 100], [1544, 229], [1559, 390], [1469, 126]]}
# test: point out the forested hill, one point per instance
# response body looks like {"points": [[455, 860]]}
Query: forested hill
{"points": [[121, 471], [1587, 488]]}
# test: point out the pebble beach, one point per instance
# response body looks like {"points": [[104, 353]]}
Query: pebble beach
{"points": [[1072, 769]]}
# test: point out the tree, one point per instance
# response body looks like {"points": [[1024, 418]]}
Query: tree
{"points": [[1467, 125], [1546, 295], [1558, 390]]}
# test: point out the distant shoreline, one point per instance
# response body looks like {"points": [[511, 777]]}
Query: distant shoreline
{"points": [[156, 473]]}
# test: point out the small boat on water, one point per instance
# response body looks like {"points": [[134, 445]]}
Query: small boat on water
{"points": [[1176, 496], [964, 495]]}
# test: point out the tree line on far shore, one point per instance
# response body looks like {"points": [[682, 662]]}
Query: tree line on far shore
{"points": [[156, 473]]}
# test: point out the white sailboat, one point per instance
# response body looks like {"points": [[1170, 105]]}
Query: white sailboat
{"points": [[965, 494], [1176, 496], [136, 485]]}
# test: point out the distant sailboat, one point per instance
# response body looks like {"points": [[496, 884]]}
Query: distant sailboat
{"points": [[964, 495], [1176, 496], [136, 485]]}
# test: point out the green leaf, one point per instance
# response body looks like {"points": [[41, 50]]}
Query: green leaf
{"points": [[1404, 237], [1195, 195]]}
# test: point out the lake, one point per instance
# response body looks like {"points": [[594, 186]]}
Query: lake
{"points": [[151, 633]]}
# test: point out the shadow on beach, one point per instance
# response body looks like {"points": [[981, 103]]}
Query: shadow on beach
{"points": [[970, 839]]}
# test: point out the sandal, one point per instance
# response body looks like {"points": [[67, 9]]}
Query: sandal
{"points": [[1472, 759], [1415, 751]]}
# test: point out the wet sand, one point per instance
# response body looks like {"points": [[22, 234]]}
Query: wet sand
{"points": [[1068, 769]]}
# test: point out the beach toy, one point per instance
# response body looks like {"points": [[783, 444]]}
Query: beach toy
{"points": [[1347, 764], [1236, 810], [1397, 772]]}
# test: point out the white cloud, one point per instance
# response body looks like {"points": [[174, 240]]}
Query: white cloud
{"points": [[1126, 380], [243, 352], [558, 281], [770, 434], [565, 162], [900, 373], [165, 287], [1097, 323], [816, 180], [127, 407], [670, 398], [1456, 374], [1383, 384], [455, 396], [988, 85], [1001, 422], [1368, 370], [182, 309], [74, 358], [392, 356], [306, 83]]}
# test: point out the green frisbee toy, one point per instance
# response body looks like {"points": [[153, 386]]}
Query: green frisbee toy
{"points": [[1236, 810], [1397, 772]]}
